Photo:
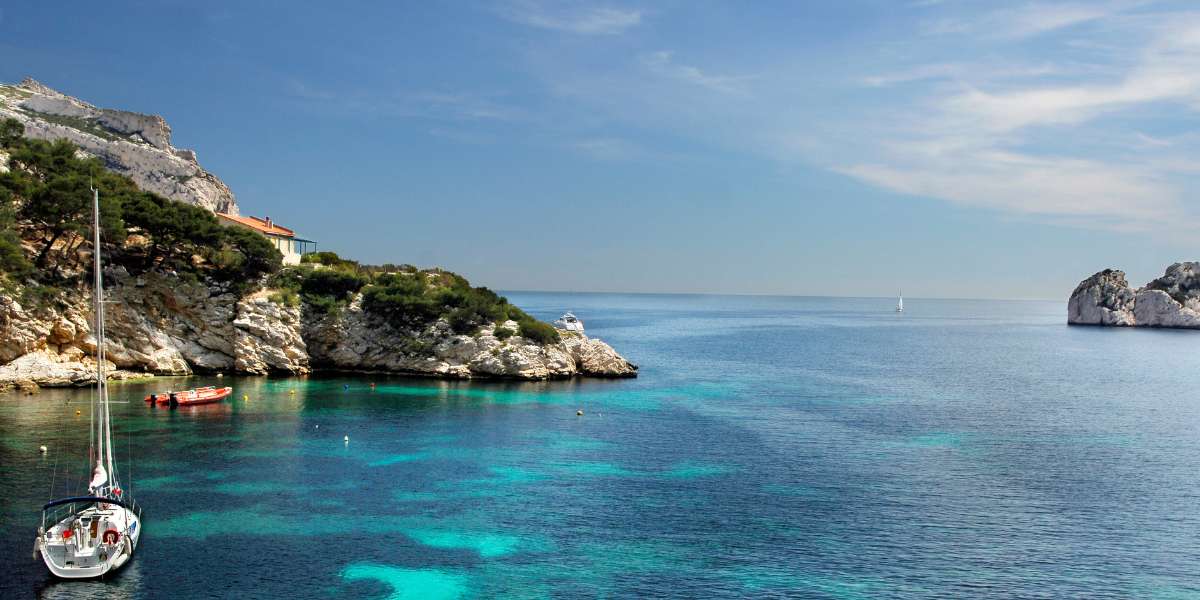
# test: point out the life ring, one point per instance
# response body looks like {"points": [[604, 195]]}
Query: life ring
{"points": [[111, 536]]}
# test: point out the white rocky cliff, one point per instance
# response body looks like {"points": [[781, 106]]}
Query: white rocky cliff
{"points": [[1172, 300], [129, 143], [354, 340], [160, 325], [156, 325]]}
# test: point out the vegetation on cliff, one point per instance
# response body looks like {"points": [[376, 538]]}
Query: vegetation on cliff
{"points": [[403, 295], [45, 222]]}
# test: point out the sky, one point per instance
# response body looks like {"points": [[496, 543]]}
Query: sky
{"points": [[952, 148]]}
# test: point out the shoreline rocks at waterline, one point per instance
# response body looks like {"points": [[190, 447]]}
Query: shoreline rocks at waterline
{"points": [[159, 324]]}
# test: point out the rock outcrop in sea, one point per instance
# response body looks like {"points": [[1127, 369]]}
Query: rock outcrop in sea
{"points": [[159, 324], [129, 143], [1172, 300]]}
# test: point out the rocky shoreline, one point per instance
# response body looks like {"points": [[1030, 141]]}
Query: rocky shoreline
{"points": [[1171, 301], [160, 325]]}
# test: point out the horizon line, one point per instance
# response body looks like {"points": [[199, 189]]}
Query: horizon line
{"points": [[769, 295]]}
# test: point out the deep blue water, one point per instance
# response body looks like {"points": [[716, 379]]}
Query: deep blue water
{"points": [[772, 447]]}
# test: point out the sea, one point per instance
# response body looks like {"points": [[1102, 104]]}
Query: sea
{"points": [[771, 447]]}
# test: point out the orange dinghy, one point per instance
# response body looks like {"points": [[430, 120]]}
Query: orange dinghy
{"points": [[202, 395]]}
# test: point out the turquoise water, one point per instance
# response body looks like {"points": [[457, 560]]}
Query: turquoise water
{"points": [[772, 447]]}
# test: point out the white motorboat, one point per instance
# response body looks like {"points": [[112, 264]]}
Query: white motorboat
{"points": [[569, 322], [92, 534]]}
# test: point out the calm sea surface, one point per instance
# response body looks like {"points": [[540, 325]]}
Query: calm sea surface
{"points": [[772, 447]]}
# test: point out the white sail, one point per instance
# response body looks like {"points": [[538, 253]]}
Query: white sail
{"points": [[99, 478], [900, 303]]}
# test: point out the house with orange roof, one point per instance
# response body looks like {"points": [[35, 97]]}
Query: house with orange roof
{"points": [[285, 240]]}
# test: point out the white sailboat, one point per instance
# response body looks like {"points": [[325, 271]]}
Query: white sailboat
{"points": [[89, 535], [900, 303]]}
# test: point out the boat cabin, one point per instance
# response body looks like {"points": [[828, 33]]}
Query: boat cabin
{"points": [[569, 322]]}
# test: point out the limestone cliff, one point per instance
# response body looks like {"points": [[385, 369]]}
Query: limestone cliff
{"points": [[160, 324], [1172, 300], [352, 339], [130, 143]]}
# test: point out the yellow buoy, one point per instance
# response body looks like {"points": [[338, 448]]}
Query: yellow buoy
{"points": [[292, 392], [77, 413], [245, 396]]}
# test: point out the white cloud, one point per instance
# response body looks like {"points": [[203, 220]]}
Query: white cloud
{"points": [[975, 146], [1040, 114], [428, 104], [1093, 193], [959, 71], [1034, 19], [1029, 19], [1169, 70], [571, 17], [663, 63], [608, 148]]}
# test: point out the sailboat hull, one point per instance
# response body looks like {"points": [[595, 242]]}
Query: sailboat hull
{"points": [[84, 555]]}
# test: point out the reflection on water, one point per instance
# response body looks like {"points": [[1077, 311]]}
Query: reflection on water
{"points": [[126, 584]]}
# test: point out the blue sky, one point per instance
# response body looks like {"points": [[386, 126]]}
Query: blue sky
{"points": [[953, 148]]}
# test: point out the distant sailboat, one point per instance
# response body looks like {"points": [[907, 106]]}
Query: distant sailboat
{"points": [[900, 303], [88, 535]]}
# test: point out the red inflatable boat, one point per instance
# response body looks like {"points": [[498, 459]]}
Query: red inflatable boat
{"points": [[202, 395]]}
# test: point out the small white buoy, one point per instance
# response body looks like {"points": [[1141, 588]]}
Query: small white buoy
{"points": [[220, 374], [346, 439], [579, 413], [316, 426], [42, 449]]}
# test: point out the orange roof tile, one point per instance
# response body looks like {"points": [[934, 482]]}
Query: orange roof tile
{"points": [[261, 225]]}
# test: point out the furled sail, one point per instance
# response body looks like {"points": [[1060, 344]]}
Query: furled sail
{"points": [[99, 477]]}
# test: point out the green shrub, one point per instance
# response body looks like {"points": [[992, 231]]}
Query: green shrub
{"points": [[502, 333], [46, 199], [285, 297], [327, 282], [330, 259], [287, 278], [542, 333], [321, 305]]}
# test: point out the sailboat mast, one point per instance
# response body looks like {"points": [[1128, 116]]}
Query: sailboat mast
{"points": [[104, 424]]}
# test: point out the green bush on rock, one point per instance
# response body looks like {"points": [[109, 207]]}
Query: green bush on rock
{"points": [[45, 217], [46, 201]]}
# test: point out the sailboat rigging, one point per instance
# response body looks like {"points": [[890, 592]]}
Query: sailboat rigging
{"points": [[89, 535]]}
